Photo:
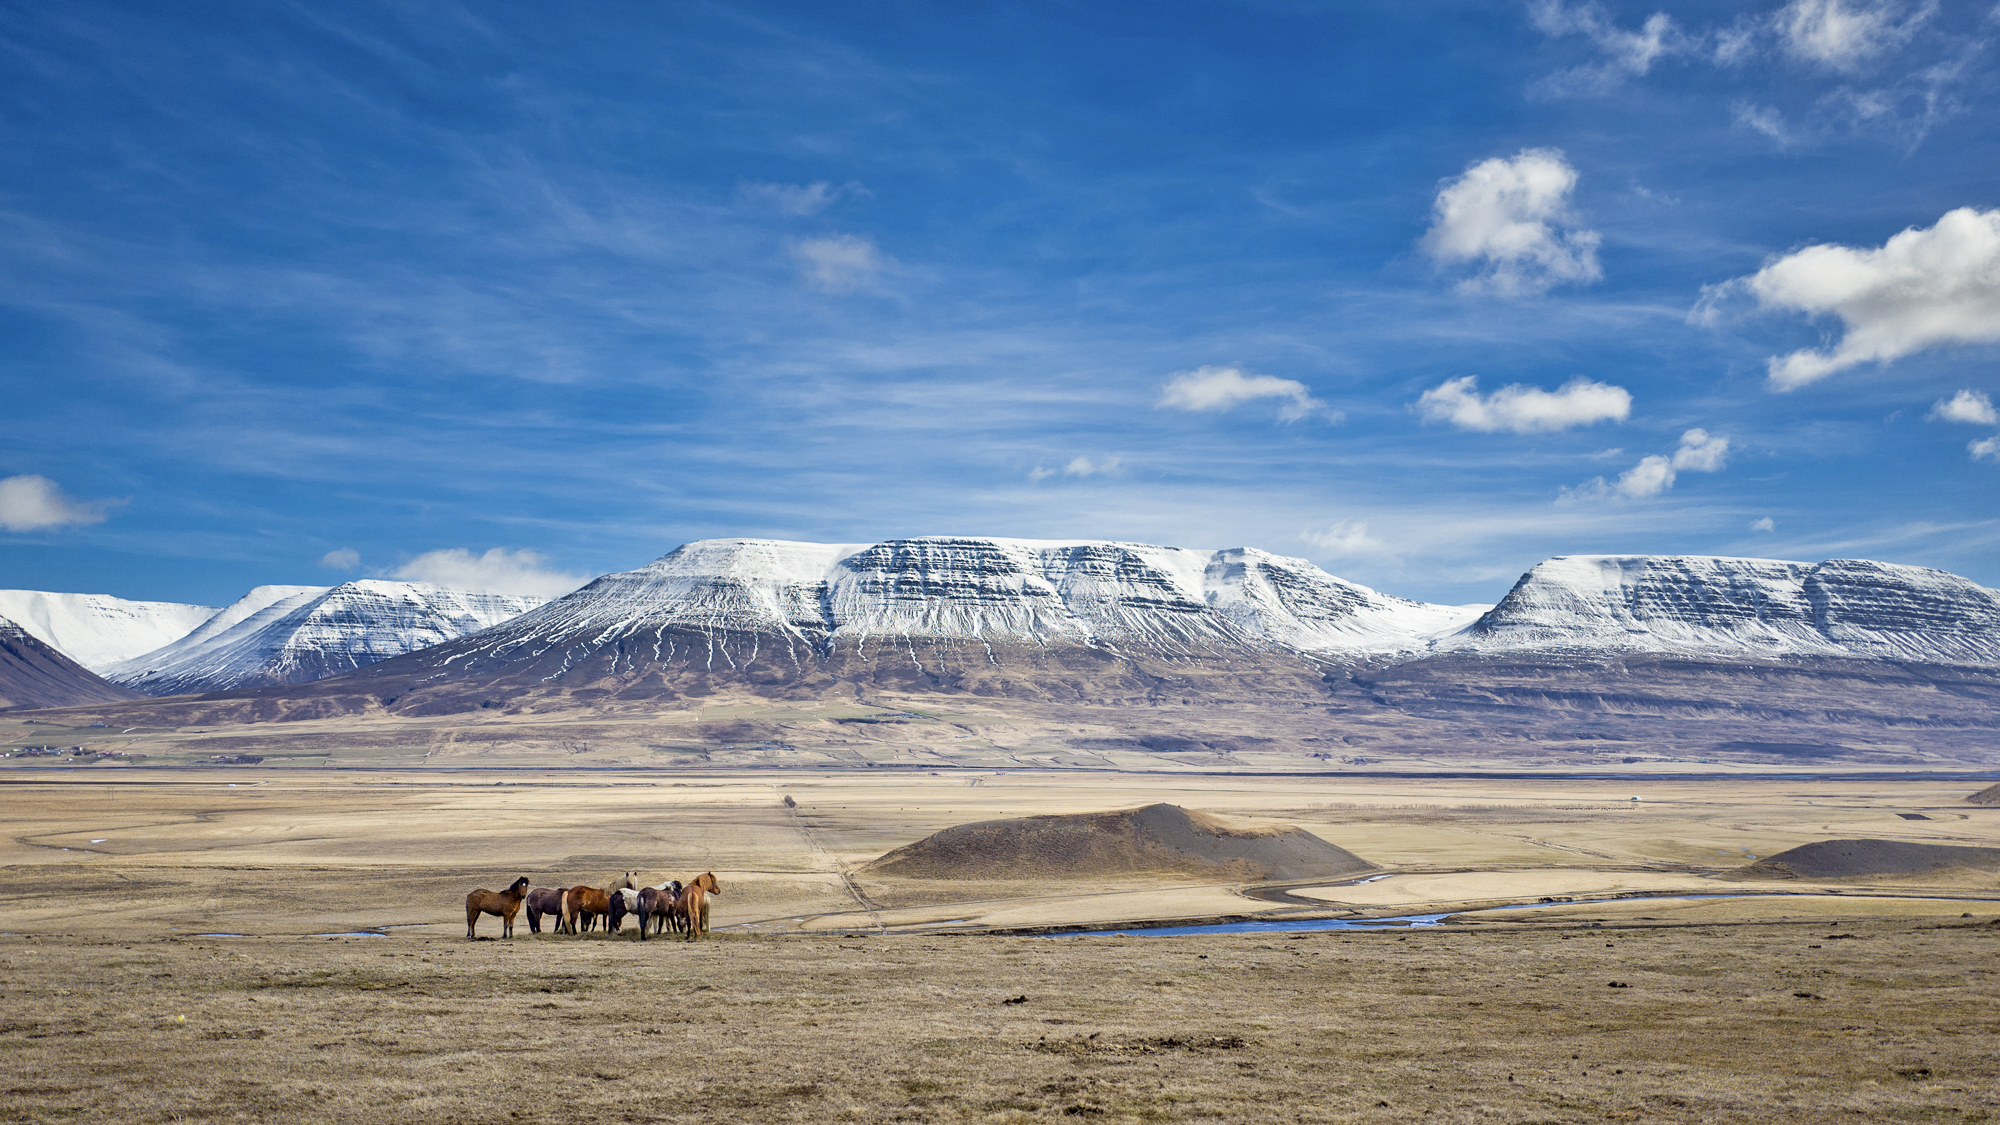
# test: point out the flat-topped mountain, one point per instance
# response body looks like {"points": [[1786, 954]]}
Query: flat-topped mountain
{"points": [[298, 634], [1743, 607]]}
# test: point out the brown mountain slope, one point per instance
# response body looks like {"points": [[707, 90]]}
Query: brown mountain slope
{"points": [[34, 675], [1156, 838], [1987, 796]]}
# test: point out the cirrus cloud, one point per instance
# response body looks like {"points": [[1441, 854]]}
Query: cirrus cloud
{"points": [[839, 263], [1523, 409]]}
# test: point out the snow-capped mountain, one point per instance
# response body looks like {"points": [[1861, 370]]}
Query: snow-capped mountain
{"points": [[815, 598], [35, 674], [1743, 607], [296, 634], [98, 630]]}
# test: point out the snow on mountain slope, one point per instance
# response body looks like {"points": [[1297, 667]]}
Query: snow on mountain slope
{"points": [[98, 630], [1756, 607], [1121, 596], [296, 634], [35, 674]]}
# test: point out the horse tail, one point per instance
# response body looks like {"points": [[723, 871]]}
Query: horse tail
{"points": [[564, 922]]}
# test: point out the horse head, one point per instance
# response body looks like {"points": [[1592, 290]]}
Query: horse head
{"points": [[520, 886], [706, 881]]}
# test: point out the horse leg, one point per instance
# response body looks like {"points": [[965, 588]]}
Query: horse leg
{"points": [[472, 923], [507, 921]]}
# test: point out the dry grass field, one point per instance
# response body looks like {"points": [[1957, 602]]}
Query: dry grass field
{"points": [[830, 992]]}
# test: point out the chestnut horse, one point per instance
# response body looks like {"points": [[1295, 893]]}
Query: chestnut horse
{"points": [[592, 903], [503, 906], [544, 900], [693, 904]]}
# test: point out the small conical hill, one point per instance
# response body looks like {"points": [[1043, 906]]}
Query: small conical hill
{"points": [[1155, 839]]}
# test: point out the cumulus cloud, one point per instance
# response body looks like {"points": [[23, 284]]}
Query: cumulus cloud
{"points": [[1966, 406], [344, 558], [1522, 409], [840, 263], [1764, 524], [1843, 35], [795, 199], [36, 503], [1081, 467], [1924, 288], [1511, 218], [1345, 539], [1221, 388], [498, 571], [1699, 452], [1625, 53], [1985, 450]]}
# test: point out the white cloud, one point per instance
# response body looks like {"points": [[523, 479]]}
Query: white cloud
{"points": [[840, 263], [344, 558], [1843, 35], [1763, 119], [498, 571], [1764, 524], [1966, 406], [1345, 539], [1221, 388], [1626, 53], [36, 503], [1522, 409], [1699, 452], [1985, 450], [1922, 289], [795, 199], [1512, 217], [1081, 467]]}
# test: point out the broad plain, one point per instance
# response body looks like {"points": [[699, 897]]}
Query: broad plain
{"points": [[248, 943]]}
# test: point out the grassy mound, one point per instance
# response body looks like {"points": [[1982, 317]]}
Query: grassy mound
{"points": [[1157, 838], [1846, 859], [1987, 796]]}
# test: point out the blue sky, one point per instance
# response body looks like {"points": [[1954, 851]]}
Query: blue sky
{"points": [[516, 294]]}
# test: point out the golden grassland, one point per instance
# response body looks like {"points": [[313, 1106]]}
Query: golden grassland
{"points": [[830, 992]]}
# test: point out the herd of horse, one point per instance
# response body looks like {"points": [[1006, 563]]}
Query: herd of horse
{"points": [[681, 907]]}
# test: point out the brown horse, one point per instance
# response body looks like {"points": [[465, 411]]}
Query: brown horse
{"points": [[583, 903], [693, 904], [541, 901], [656, 907], [503, 906]]}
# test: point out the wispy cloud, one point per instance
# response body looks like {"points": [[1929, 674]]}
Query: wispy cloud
{"points": [[798, 200], [1223, 388], [1510, 216], [1625, 53], [341, 558], [1523, 409], [1345, 539], [1081, 466], [840, 263], [498, 571]]}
